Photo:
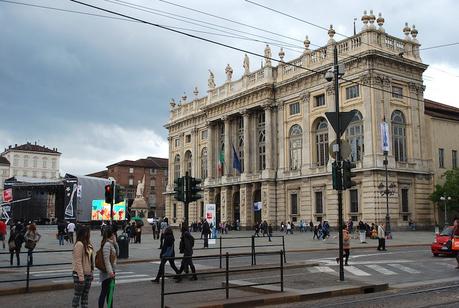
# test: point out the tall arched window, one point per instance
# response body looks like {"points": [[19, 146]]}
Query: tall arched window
{"points": [[261, 140], [188, 162], [322, 142], [295, 146], [204, 163], [399, 135], [354, 134], [35, 161], [240, 142], [45, 162], [176, 167], [26, 161]]}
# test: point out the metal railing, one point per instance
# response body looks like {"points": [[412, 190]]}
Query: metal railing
{"points": [[28, 266], [226, 271], [253, 245]]}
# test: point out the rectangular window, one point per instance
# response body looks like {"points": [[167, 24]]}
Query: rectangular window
{"points": [[405, 208], [441, 158], [188, 138], [454, 159], [202, 210], [131, 170], [319, 202], [352, 92], [319, 100], [294, 204], [131, 182], [397, 92], [294, 108], [204, 134], [354, 198], [175, 210], [177, 142]]}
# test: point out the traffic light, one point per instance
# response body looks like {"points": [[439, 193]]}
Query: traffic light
{"points": [[348, 174], [108, 193], [179, 189], [119, 194], [194, 189], [337, 176]]}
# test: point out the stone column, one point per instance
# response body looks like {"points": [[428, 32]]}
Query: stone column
{"points": [[182, 154], [245, 115], [282, 140], [210, 149], [306, 157], [194, 153], [170, 176], [226, 200], [245, 192], [228, 165], [269, 137]]}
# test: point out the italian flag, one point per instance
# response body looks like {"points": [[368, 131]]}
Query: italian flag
{"points": [[221, 162]]}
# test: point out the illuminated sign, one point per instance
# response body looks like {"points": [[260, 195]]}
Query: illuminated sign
{"points": [[101, 210]]}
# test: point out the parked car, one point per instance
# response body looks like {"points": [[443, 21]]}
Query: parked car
{"points": [[439, 246]]}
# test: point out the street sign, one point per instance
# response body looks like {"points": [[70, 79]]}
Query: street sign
{"points": [[345, 149], [344, 117]]}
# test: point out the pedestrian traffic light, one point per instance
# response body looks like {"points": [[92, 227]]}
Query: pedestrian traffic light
{"points": [[348, 174], [108, 193], [179, 189], [337, 176], [194, 189]]}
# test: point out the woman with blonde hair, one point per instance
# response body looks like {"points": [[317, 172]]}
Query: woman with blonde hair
{"points": [[83, 267]]}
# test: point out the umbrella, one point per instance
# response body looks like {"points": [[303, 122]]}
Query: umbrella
{"points": [[136, 218]]}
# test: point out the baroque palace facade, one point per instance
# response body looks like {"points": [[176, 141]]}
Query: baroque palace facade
{"points": [[273, 121]]}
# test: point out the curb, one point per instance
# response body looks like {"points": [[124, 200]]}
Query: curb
{"points": [[292, 297]]}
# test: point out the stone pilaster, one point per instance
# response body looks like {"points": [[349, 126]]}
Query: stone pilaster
{"points": [[226, 203], [269, 137], [228, 164], [246, 119], [246, 205], [210, 150]]}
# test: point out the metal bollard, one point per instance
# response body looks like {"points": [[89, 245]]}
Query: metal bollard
{"points": [[283, 248], [220, 251], [227, 275], [162, 287], [282, 270], [28, 270]]}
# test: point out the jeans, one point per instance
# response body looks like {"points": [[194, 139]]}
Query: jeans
{"points": [[161, 267], [206, 240], [381, 243], [104, 293], [17, 251], [61, 239], [70, 235], [185, 263]]}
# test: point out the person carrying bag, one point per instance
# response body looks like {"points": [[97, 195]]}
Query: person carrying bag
{"points": [[31, 239], [83, 267], [167, 254], [106, 264]]}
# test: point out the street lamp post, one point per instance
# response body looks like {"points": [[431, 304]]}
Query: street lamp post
{"points": [[444, 203], [387, 190]]}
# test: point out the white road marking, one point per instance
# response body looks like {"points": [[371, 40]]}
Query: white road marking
{"points": [[53, 271], [405, 268], [321, 269], [356, 271], [127, 278], [333, 263], [70, 272], [381, 269]]}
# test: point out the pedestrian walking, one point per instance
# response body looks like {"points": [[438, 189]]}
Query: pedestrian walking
{"points": [[3, 232], [109, 251], [346, 245], [15, 243], [381, 238], [311, 226], [31, 239], [132, 232], [163, 226], [83, 267], [455, 237], [289, 228], [282, 229], [270, 232], [362, 232], [205, 232], [167, 254], [70, 231], [316, 232], [138, 232], [186, 247], [257, 229], [61, 227], [264, 227]]}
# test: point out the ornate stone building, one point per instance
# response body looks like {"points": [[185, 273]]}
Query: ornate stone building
{"points": [[273, 121]]}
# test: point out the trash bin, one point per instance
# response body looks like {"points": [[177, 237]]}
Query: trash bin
{"points": [[123, 245]]}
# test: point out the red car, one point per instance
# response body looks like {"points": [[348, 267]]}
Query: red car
{"points": [[438, 247]]}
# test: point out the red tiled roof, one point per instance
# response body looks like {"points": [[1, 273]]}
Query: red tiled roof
{"points": [[149, 162], [439, 110], [4, 161], [32, 148]]}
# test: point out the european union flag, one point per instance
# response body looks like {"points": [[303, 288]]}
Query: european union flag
{"points": [[236, 161]]}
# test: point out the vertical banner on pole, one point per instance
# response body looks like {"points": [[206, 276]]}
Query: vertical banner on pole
{"points": [[385, 137], [210, 212]]}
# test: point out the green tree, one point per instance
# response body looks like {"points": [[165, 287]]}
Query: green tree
{"points": [[450, 188]]}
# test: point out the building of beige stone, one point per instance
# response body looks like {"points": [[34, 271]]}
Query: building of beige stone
{"points": [[273, 121]]}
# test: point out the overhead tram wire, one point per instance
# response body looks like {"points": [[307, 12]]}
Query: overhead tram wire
{"points": [[131, 21], [338, 33], [186, 19], [224, 45]]}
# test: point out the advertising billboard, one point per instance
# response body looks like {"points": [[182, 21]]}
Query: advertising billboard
{"points": [[101, 210]]}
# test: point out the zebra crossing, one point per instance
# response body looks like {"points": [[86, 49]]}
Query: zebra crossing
{"points": [[122, 277], [363, 269]]}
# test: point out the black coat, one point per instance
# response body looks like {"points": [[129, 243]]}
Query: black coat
{"points": [[186, 244], [168, 242]]}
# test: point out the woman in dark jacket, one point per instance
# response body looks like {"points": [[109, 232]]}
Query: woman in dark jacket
{"points": [[14, 243], [167, 251]]}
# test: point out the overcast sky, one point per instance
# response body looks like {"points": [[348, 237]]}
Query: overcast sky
{"points": [[98, 88]]}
